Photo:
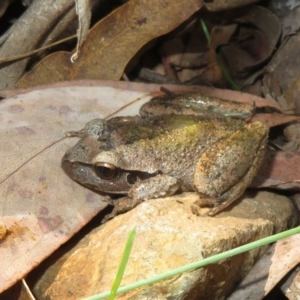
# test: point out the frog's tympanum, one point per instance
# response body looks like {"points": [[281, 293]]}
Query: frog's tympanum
{"points": [[182, 143]]}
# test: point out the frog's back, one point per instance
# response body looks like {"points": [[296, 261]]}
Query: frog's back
{"points": [[170, 144]]}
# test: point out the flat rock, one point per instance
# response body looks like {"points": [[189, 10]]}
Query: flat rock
{"points": [[169, 236]]}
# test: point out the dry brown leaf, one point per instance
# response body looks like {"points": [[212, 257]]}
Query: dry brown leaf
{"points": [[171, 52], [221, 5], [283, 71], [84, 12], [279, 260], [272, 120], [268, 25], [195, 54], [113, 42], [291, 23], [279, 171], [28, 32], [3, 7], [212, 74], [290, 285], [292, 95], [221, 35], [259, 32]]}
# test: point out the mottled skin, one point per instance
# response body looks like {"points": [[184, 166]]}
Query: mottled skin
{"points": [[155, 156]]}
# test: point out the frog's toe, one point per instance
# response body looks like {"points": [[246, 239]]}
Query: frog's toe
{"points": [[108, 217], [201, 203]]}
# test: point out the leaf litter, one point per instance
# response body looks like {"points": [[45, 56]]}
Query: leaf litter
{"points": [[41, 207]]}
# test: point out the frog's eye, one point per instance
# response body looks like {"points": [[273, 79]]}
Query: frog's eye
{"points": [[106, 171]]}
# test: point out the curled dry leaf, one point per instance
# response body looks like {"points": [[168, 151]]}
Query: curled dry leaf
{"points": [[259, 32], [83, 10], [112, 42]]}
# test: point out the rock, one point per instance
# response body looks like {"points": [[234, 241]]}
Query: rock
{"points": [[169, 236]]}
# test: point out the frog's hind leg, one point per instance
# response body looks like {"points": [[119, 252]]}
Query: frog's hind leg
{"points": [[233, 193], [227, 168]]}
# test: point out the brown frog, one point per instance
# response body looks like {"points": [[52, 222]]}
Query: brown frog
{"points": [[179, 143]]}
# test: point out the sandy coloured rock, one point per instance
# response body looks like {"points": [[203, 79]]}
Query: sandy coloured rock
{"points": [[169, 236]]}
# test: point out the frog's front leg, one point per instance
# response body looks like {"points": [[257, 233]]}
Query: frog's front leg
{"points": [[154, 187], [227, 168]]}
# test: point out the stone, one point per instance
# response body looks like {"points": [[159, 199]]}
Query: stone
{"points": [[169, 236]]}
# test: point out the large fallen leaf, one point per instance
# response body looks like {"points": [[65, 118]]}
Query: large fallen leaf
{"points": [[153, 88], [40, 206], [113, 42]]}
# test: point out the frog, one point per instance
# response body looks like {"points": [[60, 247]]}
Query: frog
{"points": [[177, 143]]}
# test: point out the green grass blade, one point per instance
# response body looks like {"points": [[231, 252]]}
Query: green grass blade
{"points": [[224, 71], [205, 30], [226, 75], [201, 263], [123, 264]]}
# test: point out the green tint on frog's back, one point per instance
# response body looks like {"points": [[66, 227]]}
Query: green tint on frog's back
{"points": [[169, 144]]}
